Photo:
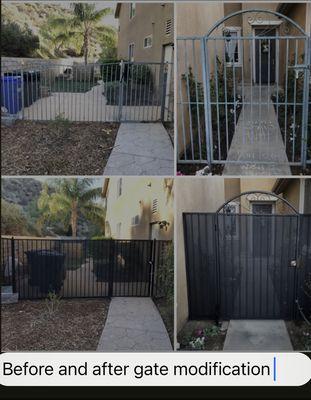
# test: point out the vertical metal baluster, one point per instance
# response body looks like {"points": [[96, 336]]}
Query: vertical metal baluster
{"points": [[189, 100], [242, 42], [226, 99], [253, 80], [305, 102], [294, 101], [277, 76], [181, 108], [268, 99], [217, 99], [260, 89], [286, 95], [197, 99]]}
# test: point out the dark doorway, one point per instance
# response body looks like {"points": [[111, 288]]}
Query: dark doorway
{"points": [[265, 55]]}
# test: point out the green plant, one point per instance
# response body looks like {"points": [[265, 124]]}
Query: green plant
{"points": [[165, 274], [17, 41], [223, 117], [211, 331], [52, 302], [197, 343], [14, 221], [141, 74], [287, 105], [60, 125]]}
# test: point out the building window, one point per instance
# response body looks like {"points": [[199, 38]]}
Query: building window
{"points": [[119, 187], [118, 230], [231, 223], [232, 46], [135, 220], [131, 52], [154, 206], [168, 26], [148, 41], [132, 10]]}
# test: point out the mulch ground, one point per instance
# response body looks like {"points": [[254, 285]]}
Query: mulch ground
{"points": [[56, 148], [300, 335], [76, 325], [167, 313]]}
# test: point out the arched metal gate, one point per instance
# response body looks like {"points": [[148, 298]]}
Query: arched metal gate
{"points": [[253, 265], [244, 92]]}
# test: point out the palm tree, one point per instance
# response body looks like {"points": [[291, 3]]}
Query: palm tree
{"points": [[72, 199], [85, 26]]}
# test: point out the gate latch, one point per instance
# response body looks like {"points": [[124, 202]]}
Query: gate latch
{"points": [[296, 263], [293, 263]]}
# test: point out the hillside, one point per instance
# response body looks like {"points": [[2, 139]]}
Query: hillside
{"points": [[20, 191], [33, 15]]}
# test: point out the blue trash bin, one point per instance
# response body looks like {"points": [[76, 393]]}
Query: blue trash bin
{"points": [[11, 93]]}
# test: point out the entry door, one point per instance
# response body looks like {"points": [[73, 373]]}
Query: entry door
{"points": [[265, 56]]}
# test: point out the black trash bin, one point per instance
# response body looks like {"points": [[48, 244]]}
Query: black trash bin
{"points": [[31, 80], [47, 270], [31, 85]]}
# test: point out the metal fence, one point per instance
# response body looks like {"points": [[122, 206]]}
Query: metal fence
{"points": [[248, 266], [124, 91], [245, 97], [83, 268]]}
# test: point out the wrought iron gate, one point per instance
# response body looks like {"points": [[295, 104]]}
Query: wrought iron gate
{"points": [[244, 97], [120, 91], [83, 268], [248, 266]]}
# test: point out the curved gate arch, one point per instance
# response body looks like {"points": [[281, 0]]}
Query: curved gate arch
{"points": [[259, 11], [263, 192], [243, 96]]}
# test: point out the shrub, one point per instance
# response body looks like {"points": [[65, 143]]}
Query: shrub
{"points": [[165, 274], [14, 221], [223, 117], [17, 42]]}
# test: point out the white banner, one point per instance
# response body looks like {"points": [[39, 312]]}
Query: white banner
{"points": [[154, 369]]}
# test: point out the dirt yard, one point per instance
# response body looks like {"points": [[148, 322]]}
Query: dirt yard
{"points": [[76, 325], [300, 335], [57, 147]]}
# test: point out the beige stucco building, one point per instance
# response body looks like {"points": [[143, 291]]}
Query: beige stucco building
{"points": [[207, 195], [146, 31], [139, 208]]}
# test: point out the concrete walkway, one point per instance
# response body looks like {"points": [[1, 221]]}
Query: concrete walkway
{"points": [[141, 149], [257, 137], [257, 335], [134, 324]]}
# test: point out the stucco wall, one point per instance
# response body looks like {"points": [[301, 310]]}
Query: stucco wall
{"points": [[192, 195], [150, 19], [136, 199]]}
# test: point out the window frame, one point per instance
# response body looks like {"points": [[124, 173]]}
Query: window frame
{"points": [[146, 37], [237, 30], [132, 10], [131, 45]]}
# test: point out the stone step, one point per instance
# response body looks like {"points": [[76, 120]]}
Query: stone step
{"points": [[7, 295]]}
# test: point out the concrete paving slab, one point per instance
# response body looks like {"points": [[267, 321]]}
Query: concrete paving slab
{"points": [[141, 149], [257, 138], [257, 335], [134, 324]]}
